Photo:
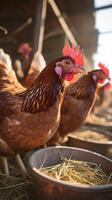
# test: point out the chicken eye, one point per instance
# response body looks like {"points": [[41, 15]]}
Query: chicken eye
{"points": [[67, 62]]}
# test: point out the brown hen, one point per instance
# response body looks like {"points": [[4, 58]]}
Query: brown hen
{"points": [[29, 118], [78, 101]]}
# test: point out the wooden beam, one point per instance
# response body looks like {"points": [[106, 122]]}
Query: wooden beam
{"points": [[62, 22], [64, 26], [103, 7], [22, 27]]}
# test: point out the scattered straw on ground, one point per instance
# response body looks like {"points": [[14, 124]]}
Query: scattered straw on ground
{"points": [[74, 171], [15, 187]]}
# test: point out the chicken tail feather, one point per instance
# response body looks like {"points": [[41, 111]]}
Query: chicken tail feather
{"points": [[8, 79], [5, 64]]}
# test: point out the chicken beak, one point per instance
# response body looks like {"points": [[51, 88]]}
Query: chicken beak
{"points": [[83, 71], [80, 70], [20, 50], [109, 78]]}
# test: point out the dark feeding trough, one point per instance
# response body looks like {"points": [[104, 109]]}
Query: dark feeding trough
{"points": [[48, 188], [101, 144]]}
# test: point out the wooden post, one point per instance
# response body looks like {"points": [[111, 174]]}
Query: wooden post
{"points": [[40, 25]]}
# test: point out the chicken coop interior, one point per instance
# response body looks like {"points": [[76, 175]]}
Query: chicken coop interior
{"points": [[55, 100]]}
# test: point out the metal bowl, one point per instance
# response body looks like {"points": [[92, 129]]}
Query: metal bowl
{"points": [[104, 148], [50, 189]]}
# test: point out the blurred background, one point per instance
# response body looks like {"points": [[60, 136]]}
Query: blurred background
{"points": [[90, 21]]}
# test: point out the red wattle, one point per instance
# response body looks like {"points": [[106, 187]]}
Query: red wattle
{"points": [[69, 76], [101, 81]]}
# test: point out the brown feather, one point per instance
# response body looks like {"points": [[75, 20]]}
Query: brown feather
{"points": [[44, 93]]}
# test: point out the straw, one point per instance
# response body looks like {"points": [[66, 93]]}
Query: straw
{"points": [[80, 172], [94, 136], [15, 187]]}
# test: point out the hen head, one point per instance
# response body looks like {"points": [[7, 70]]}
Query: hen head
{"points": [[25, 50], [101, 75], [71, 63]]}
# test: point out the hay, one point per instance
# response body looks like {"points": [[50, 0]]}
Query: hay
{"points": [[80, 172], [91, 135], [15, 187]]}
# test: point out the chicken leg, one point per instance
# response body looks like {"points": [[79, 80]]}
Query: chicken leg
{"points": [[21, 166], [5, 165], [19, 163]]}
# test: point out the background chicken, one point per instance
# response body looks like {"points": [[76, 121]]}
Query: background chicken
{"points": [[28, 66], [29, 118], [78, 102], [23, 63]]}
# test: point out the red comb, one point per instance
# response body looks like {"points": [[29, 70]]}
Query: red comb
{"points": [[104, 69], [75, 53]]}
